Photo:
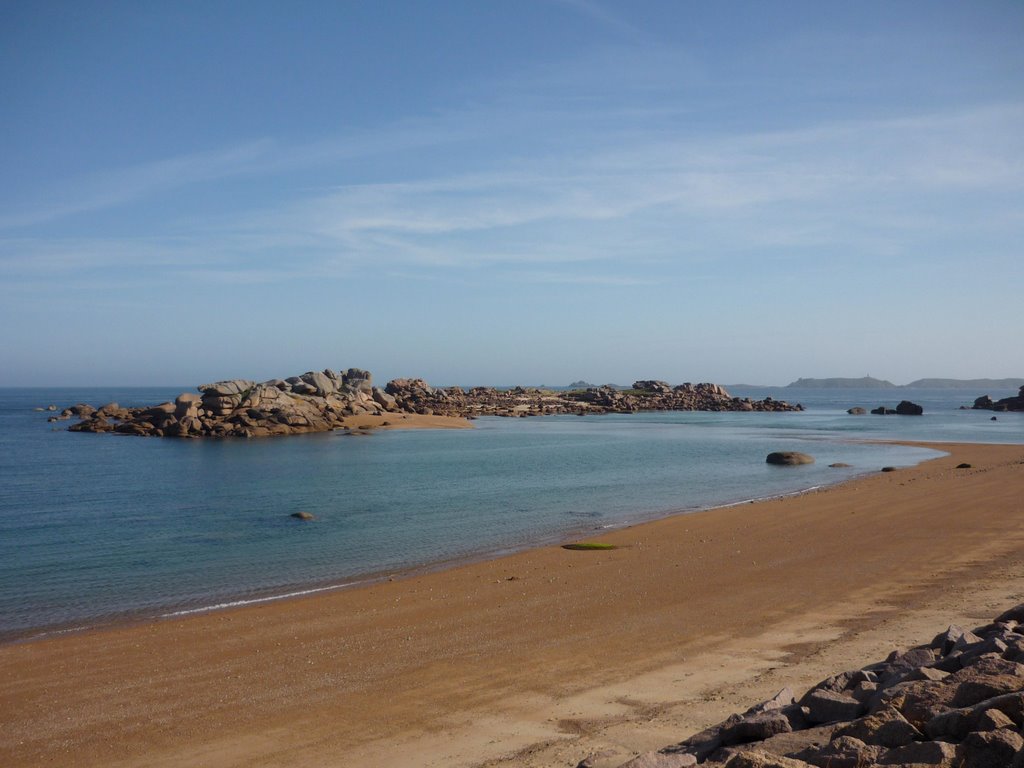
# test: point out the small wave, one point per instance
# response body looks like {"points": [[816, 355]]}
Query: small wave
{"points": [[256, 600], [801, 492]]}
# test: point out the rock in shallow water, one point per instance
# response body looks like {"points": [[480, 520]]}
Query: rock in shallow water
{"points": [[789, 458]]}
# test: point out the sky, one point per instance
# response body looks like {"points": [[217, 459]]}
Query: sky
{"points": [[528, 192]]}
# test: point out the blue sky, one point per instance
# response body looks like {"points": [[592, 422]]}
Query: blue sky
{"points": [[511, 192]]}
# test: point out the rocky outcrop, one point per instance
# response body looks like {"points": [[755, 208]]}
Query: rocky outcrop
{"points": [[956, 701], [1015, 403], [318, 401], [416, 396]]}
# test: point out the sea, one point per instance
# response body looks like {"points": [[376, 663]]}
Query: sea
{"points": [[99, 529]]}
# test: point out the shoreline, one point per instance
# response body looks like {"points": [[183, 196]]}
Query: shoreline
{"points": [[476, 664], [173, 610]]}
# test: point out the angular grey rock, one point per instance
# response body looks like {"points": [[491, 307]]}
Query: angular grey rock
{"points": [[957, 723], [944, 641], [920, 753], [229, 387], [652, 385], [756, 727], [386, 401], [887, 728], [992, 720], [798, 739], [840, 752], [971, 692], [660, 760], [828, 707], [322, 384], [1014, 614], [991, 749], [780, 700], [757, 759]]}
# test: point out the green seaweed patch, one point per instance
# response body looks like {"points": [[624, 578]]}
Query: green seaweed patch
{"points": [[589, 545]]}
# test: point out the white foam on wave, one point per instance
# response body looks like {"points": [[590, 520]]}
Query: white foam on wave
{"points": [[257, 600]]}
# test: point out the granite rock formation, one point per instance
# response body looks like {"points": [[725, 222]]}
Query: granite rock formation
{"points": [[415, 395], [312, 402], [318, 401], [956, 701]]}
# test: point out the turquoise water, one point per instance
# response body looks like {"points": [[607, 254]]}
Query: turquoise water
{"points": [[94, 528]]}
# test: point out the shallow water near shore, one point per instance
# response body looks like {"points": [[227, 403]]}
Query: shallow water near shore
{"points": [[95, 528]]}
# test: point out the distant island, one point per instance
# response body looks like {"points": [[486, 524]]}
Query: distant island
{"points": [[867, 382]]}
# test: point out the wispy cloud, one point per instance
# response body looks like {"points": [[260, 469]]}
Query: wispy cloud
{"points": [[123, 185], [604, 17], [644, 203]]}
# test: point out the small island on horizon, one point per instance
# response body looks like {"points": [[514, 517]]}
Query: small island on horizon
{"points": [[868, 382]]}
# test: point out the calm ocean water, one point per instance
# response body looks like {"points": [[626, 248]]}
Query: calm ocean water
{"points": [[94, 528]]}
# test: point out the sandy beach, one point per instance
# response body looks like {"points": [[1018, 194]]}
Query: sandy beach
{"points": [[543, 657]]}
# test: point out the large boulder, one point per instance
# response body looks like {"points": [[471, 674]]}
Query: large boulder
{"points": [[229, 387], [907, 408], [652, 385], [382, 398], [321, 383], [788, 458]]}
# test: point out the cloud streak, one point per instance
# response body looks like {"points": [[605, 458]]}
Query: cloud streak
{"points": [[650, 202]]}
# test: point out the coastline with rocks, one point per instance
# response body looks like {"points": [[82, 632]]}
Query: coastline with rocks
{"points": [[552, 656], [320, 401], [957, 701]]}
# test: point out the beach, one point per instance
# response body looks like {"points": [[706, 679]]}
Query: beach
{"points": [[543, 657]]}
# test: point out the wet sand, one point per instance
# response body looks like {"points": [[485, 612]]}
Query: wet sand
{"points": [[543, 657]]}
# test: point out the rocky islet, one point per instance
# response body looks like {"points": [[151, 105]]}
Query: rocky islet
{"points": [[1014, 403], [319, 401]]}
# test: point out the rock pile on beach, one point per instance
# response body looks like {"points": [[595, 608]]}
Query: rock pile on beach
{"points": [[1015, 403], [322, 401], [956, 702]]}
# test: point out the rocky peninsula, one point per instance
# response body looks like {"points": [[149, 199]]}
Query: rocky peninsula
{"points": [[320, 401]]}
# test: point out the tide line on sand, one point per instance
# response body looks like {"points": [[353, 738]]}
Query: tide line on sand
{"points": [[258, 600]]}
